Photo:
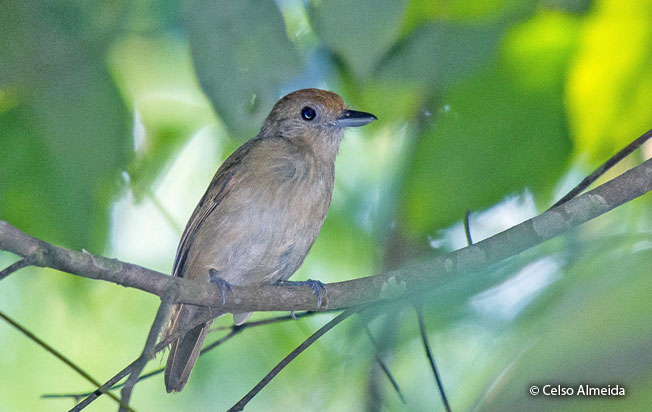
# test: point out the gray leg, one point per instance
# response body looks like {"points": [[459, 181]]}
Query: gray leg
{"points": [[317, 287], [221, 283]]}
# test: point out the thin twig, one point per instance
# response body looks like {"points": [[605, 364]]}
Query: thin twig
{"points": [[289, 358], [467, 228], [422, 325], [162, 316], [233, 330], [382, 364], [112, 383], [56, 353], [604, 167], [13, 268], [273, 319], [431, 358], [127, 370]]}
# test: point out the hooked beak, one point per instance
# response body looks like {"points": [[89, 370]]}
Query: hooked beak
{"points": [[352, 118]]}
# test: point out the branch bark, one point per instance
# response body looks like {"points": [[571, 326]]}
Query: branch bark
{"points": [[389, 285]]}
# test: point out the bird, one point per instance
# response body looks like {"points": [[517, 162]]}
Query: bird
{"points": [[261, 213]]}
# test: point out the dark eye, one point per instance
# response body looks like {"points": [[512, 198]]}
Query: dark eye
{"points": [[308, 113]]}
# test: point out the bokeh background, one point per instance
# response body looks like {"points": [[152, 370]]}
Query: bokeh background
{"points": [[115, 115]]}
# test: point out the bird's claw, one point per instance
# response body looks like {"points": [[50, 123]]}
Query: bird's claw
{"points": [[317, 287], [221, 283]]}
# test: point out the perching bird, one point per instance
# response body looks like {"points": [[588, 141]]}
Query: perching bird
{"points": [[261, 212]]}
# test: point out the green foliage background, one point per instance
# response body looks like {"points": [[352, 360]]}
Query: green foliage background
{"points": [[114, 115]]}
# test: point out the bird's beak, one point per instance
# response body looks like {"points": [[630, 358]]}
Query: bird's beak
{"points": [[351, 118]]}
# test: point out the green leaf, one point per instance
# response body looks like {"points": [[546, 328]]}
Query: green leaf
{"points": [[437, 53], [65, 133], [496, 134], [609, 98], [361, 32], [467, 11], [242, 55]]}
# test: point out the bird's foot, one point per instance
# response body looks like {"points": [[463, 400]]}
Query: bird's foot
{"points": [[317, 287], [224, 286]]}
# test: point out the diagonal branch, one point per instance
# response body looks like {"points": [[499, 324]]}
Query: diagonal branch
{"points": [[162, 316], [290, 357], [604, 167], [13, 268], [112, 383], [431, 358], [430, 274], [58, 355], [381, 363]]}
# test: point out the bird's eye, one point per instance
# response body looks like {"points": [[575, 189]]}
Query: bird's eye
{"points": [[308, 113]]}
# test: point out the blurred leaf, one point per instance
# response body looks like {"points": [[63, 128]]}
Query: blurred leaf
{"points": [[503, 130], [572, 6], [605, 93], [348, 250], [438, 53], [466, 11], [596, 334], [156, 75], [361, 32], [65, 137], [390, 101], [153, 16], [242, 55]]}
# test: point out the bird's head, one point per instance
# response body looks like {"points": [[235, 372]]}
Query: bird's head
{"points": [[313, 117]]}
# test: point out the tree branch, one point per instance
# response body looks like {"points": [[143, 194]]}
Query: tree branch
{"points": [[13, 268], [604, 167], [290, 357], [431, 357], [162, 316], [232, 331], [59, 356], [431, 273]]}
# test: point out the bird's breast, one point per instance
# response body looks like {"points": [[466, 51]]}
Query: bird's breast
{"points": [[265, 227]]}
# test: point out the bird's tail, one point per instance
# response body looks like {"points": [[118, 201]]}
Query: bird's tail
{"points": [[185, 349]]}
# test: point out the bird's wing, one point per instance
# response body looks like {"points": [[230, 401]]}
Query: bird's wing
{"points": [[185, 349], [224, 180]]}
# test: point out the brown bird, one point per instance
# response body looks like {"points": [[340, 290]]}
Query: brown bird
{"points": [[261, 212]]}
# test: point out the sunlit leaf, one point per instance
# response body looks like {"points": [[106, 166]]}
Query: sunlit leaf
{"points": [[612, 78], [500, 132]]}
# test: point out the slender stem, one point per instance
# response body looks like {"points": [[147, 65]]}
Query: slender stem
{"points": [[382, 364], [13, 268], [604, 167], [56, 353], [290, 357], [162, 317], [467, 228], [431, 358], [112, 383]]}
